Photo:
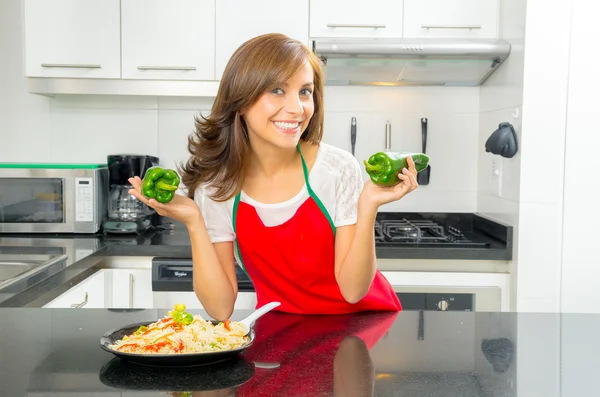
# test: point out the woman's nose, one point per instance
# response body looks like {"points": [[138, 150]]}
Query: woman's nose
{"points": [[293, 105]]}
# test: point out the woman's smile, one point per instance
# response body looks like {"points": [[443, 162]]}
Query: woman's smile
{"points": [[287, 127]]}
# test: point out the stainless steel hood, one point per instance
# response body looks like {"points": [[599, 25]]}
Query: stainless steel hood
{"points": [[380, 61]]}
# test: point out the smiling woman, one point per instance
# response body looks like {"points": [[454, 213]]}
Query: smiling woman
{"points": [[252, 92], [265, 192]]}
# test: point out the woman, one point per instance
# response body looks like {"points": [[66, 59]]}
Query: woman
{"points": [[264, 189]]}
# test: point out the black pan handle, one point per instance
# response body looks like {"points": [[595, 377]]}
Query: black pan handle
{"points": [[424, 133]]}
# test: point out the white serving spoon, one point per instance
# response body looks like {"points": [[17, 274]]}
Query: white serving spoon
{"points": [[249, 321]]}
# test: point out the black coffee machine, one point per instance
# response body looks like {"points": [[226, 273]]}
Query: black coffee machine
{"points": [[127, 214]]}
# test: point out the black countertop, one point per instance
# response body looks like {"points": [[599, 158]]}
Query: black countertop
{"points": [[56, 352], [171, 239]]}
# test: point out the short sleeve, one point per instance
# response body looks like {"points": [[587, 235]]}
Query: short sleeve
{"points": [[348, 192], [217, 217]]}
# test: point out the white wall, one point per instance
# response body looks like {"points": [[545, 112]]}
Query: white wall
{"points": [[86, 129], [580, 261], [542, 159], [501, 100]]}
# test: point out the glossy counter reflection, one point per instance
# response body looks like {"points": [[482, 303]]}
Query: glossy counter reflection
{"points": [[56, 352], [291, 356]]}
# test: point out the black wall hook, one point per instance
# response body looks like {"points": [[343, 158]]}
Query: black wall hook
{"points": [[503, 141]]}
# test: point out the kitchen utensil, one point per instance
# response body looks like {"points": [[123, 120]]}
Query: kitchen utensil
{"points": [[423, 176], [126, 214], [388, 136], [353, 133], [249, 321], [503, 141]]}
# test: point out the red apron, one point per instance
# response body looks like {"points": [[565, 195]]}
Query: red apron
{"points": [[305, 348], [294, 263]]}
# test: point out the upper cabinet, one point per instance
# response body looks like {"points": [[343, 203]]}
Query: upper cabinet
{"points": [[72, 38], [451, 18], [356, 18], [168, 40], [241, 20], [181, 48]]}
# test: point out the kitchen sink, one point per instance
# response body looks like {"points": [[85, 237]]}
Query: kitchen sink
{"points": [[14, 267]]}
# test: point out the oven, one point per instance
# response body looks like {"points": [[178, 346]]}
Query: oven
{"points": [[457, 291], [172, 283]]}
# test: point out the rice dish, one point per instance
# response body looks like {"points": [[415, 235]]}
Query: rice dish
{"points": [[179, 332]]}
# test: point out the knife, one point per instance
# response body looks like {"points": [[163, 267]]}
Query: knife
{"points": [[353, 133]]}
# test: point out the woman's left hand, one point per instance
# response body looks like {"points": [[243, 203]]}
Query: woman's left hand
{"points": [[379, 195]]}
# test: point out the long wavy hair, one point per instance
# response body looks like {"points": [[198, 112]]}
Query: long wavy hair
{"points": [[219, 145]]}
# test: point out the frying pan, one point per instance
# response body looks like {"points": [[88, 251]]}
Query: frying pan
{"points": [[171, 360]]}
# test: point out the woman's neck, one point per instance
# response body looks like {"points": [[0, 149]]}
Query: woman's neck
{"points": [[269, 161]]}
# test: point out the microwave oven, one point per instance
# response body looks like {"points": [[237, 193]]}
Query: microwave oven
{"points": [[52, 198]]}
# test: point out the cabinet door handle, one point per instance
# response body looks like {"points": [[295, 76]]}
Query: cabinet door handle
{"points": [[82, 304], [166, 68], [470, 27], [131, 290], [355, 25], [70, 66]]}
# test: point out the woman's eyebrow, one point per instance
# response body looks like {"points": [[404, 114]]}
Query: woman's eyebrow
{"points": [[309, 84]]}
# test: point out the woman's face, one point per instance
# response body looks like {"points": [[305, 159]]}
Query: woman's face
{"points": [[281, 114]]}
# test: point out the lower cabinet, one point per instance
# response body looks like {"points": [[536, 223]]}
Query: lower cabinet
{"points": [[90, 293], [110, 289]]}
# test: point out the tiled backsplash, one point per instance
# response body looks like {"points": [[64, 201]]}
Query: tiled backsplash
{"points": [[86, 129]]}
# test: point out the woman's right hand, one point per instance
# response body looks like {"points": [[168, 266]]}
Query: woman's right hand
{"points": [[181, 208]]}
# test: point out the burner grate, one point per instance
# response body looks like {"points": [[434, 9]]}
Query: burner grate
{"points": [[420, 231]]}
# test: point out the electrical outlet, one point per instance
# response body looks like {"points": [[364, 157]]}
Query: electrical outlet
{"points": [[496, 177]]}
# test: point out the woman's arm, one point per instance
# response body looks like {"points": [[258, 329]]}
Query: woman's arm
{"points": [[215, 282], [355, 260]]}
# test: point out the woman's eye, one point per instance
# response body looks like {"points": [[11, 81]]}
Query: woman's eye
{"points": [[277, 91], [306, 91]]}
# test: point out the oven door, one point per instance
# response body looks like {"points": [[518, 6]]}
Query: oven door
{"points": [[485, 299], [437, 291], [52, 200], [172, 283]]}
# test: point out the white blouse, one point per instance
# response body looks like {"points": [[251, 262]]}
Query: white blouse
{"points": [[335, 178]]}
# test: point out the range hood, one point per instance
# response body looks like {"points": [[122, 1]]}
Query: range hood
{"points": [[397, 62]]}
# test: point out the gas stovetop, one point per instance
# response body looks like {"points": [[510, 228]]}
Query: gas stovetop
{"points": [[433, 229]]}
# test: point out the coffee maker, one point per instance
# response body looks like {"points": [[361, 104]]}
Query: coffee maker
{"points": [[127, 214]]}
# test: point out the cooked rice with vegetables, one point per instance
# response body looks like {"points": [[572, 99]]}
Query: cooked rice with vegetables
{"points": [[179, 332]]}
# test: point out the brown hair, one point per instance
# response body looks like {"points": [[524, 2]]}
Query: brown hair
{"points": [[219, 145]]}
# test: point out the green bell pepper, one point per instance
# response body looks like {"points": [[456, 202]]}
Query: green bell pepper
{"points": [[160, 184], [383, 167]]}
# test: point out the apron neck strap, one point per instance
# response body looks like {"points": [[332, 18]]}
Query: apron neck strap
{"points": [[311, 192]]}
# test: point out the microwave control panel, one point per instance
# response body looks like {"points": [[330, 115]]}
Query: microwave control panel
{"points": [[84, 200]]}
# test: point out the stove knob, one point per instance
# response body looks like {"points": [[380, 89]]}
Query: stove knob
{"points": [[442, 305]]}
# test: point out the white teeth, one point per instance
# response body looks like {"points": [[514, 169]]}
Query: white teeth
{"points": [[286, 126]]}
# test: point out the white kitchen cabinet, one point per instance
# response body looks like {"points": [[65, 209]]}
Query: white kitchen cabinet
{"points": [[240, 20], [451, 18], [356, 18], [72, 38], [168, 40], [88, 294], [131, 288]]}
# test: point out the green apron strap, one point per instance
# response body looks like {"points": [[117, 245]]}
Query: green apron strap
{"points": [[312, 193], [236, 202]]}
